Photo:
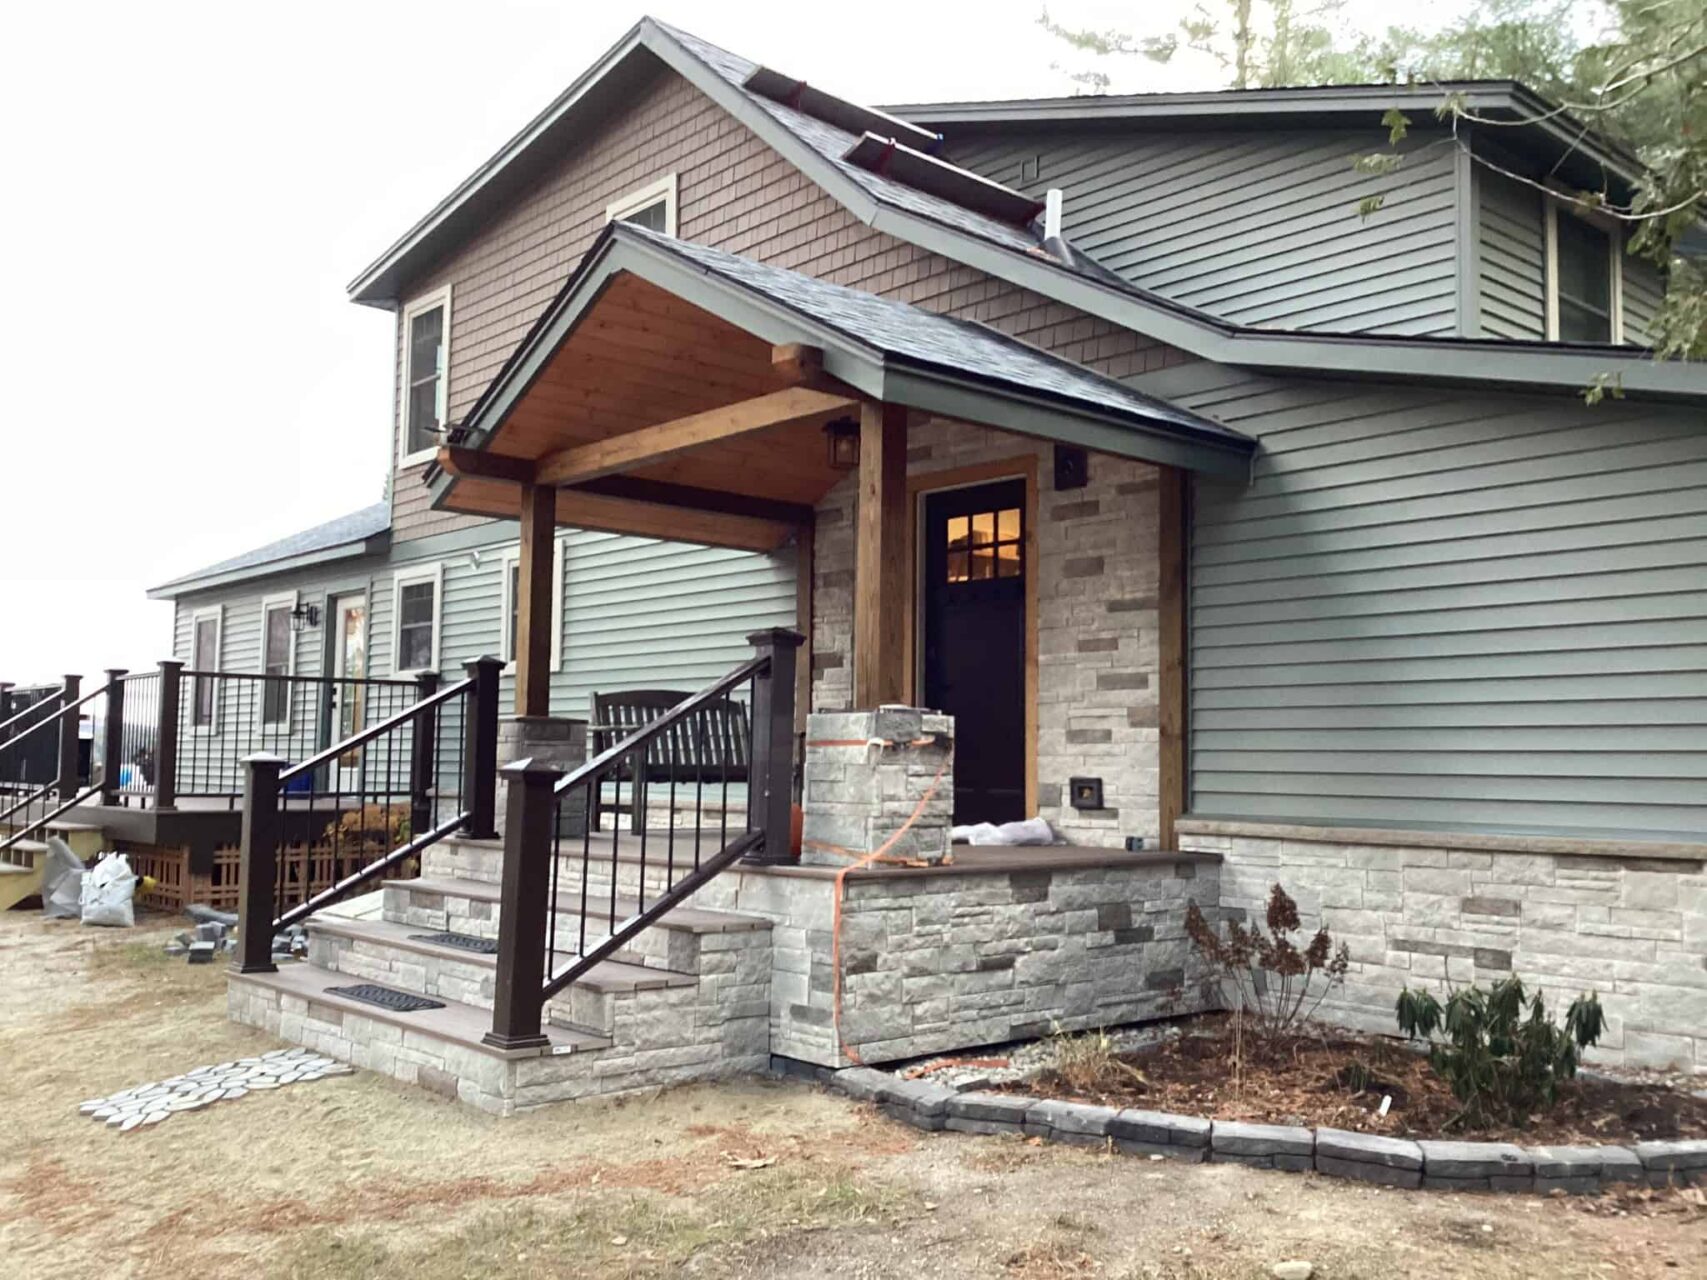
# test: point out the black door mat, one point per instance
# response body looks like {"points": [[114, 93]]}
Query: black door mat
{"points": [[386, 998], [461, 941]]}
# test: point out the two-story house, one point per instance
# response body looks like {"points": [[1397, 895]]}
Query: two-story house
{"points": [[1223, 514]]}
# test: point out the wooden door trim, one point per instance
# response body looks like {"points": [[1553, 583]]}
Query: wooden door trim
{"points": [[1022, 467]]}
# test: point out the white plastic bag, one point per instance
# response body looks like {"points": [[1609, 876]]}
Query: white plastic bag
{"points": [[61, 881], [107, 892]]}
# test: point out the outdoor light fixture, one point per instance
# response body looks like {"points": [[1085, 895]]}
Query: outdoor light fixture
{"points": [[304, 616], [842, 436]]}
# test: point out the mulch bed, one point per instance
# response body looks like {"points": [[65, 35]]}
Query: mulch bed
{"points": [[1337, 1079]]}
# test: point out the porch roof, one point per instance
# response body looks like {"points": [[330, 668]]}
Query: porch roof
{"points": [[649, 329]]}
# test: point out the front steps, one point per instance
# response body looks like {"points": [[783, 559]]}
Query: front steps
{"points": [[689, 999], [21, 863]]}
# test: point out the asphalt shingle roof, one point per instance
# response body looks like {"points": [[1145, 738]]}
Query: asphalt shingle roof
{"points": [[358, 526], [911, 333]]}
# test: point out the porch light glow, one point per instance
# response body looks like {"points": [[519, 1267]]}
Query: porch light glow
{"points": [[842, 436], [304, 616]]}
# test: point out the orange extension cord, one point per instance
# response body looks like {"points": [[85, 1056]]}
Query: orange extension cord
{"points": [[864, 860]]}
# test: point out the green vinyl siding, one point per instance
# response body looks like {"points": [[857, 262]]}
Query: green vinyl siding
{"points": [[1513, 259], [1451, 611], [1257, 226]]}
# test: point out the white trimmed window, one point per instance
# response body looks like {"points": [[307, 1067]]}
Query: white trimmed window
{"points": [[205, 628], [416, 609], [426, 375], [652, 206], [1585, 278], [278, 657], [509, 604]]}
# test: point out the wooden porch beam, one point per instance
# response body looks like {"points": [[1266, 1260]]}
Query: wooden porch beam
{"points": [[459, 460], [1173, 497], [663, 494], [881, 568], [801, 365], [650, 445], [533, 607]]}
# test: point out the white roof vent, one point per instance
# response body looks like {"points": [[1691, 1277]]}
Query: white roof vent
{"points": [[1052, 214]]}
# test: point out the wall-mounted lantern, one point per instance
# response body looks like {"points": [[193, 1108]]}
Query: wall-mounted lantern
{"points": [[842, 438], [304, 616]]}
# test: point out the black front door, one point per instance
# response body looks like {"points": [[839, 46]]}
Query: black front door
{"points": [[974, 629]]}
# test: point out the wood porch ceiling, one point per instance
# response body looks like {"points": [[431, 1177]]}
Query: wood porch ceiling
{"points": [[641, 357]]}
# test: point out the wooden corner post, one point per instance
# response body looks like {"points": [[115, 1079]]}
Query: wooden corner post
{"points": [[881, 571], [112, 742], [1173, 510], [166, 735], [533, 607]]}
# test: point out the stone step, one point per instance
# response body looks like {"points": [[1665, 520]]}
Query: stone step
{"points": [[18, 884], [440, 1049], [432, 904], [399, 956]]}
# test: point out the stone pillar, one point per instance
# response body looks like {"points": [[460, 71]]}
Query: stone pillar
{"points": [[548, 740], [866, 772]]}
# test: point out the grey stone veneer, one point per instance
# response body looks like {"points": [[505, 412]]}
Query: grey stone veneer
{"points": [[1632, 929], [934, 961], [1397, 1162]]}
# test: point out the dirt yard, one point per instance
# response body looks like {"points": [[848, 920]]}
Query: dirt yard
{"points": [[358, 1177]]}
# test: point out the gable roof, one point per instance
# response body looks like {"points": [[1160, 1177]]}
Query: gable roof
{"points": [[885, 349], [1559, 140], [999, 249], [357, 534]]}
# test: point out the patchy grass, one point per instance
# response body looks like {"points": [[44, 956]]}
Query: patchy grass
{"points": [[361, 1177]]}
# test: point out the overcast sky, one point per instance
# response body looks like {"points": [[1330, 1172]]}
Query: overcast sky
{"points": [[188, 189]]}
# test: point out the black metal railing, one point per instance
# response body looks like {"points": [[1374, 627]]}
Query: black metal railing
{"points": [[315, 831], [224, 717], [29, 799], [739, 727]]}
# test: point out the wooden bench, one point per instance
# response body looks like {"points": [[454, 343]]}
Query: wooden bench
{"points": [[710, 747]]}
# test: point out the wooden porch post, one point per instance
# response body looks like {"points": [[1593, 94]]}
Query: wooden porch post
{"points": [[1172, 534], [880, 563], [533, 608]]}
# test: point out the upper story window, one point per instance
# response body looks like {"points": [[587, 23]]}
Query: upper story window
{"points": [[205, 625], [1584, 280], [416, 609], [652, 207], [426, 370]]}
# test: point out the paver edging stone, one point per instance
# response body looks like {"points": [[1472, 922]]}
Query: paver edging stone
{"points": [[1398, 1162]]}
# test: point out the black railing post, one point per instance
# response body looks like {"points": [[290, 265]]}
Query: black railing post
{"points": [[422, 766], [258, 870], [771, 772], [112, 744], [525, 906], [480, 755], [68, 726], [166, 735]]}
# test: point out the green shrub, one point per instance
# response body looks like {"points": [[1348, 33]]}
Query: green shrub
{"points": [[1276, 984], [1501, 1065]]}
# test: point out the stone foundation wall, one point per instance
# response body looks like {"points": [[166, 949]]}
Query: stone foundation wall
{"points": [[1633, 929], [935, 962], [1097, 662]]}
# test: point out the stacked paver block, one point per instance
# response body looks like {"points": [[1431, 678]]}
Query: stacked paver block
{"points": [[878, 780], [554, 740], [1394, 1162]]}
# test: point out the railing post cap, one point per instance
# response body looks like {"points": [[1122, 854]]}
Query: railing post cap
{"points": [[778, 637], [528, 768], [486, 660], [114, 673], [172, 662], [265, 758]]}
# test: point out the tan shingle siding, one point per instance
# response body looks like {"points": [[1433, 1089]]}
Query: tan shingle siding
{"points": [[735, 193]]}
